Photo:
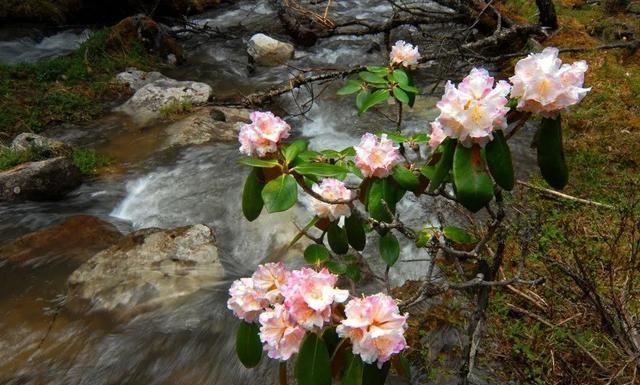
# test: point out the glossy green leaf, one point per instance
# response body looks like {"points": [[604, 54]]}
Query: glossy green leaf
{"points": [[379, 190], [376, 97], [474, 188], [360, 98], [389, 248], [410, 89], [336, 267], [349, 151], [252, 195], [394, 136], [401, 77], [351, 87], [378, 69], [457, 235], [420, 138], [313, 365], [551, 153], [499, 161], [337, 238], [280, 194], [353, 272], [370, 77], [399, 94], [320, 169], [443, 166], [405, 178], [354, 370], [315, 254], [255, 162], [355, 231], [248, 345], [294, 149]]}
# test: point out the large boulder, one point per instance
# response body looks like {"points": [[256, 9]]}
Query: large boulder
{"points": [[48, 179], [267, 51], [149, 100], [207, 124], [46, 146], [75, 239], [146, 269], [136, 79]]}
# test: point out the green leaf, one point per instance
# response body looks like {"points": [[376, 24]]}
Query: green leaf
{"points": [[474, 188], [355, 231], [280, 194], [457, 235], [248, 345], [312, 365], [354, 371], [410, 89], [351, 87], [376, 97], [389, 248], [360, 98], [294, 149], [401, 77], [551, 153], [255, 162], [349, 151], [379, 190], [252, 195], [444, 164], [371, 375], [337, 238], [394, 136], [400, 95], [331, 153], [353, 272], [499, 161], [315, 254], [309, 156], [371, 77], [320, 169], [378, 70], [405, 178], [420, 138], [336, 267]]}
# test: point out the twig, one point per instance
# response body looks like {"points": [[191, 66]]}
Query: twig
{"points": [[556, 194]]}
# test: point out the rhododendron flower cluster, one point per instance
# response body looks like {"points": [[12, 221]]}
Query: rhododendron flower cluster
{"points": [[287, 304], [545, 86], [376, 157], [471, 111], [263, 134], [437, 134], [375, 327], [331, 189], [404, 54]]}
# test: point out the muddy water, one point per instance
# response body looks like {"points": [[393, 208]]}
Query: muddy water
{"points": [[189, 342]]}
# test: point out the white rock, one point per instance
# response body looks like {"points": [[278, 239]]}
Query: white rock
{"points": [[147, 269], [205, 124], [268, 51], [136, 79]]}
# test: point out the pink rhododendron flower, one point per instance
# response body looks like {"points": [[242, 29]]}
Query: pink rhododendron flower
{"points": [[545, 86], [246, 301], [309, 294], [471, 111], [375, 327], [437, 134], [404, 53], [269, 278], [263, 134], [280, 335], [333, 190], [376, 157]]}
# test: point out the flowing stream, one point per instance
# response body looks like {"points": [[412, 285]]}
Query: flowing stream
{"points": [[192, 341]]}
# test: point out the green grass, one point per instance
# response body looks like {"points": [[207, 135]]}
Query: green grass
{"points": [[176, 108], [70, 88], [10, 158], [89, 161]]}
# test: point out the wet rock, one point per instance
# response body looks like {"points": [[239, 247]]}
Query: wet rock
{"points": [[145, 270], [207, 124], [156, 37], [43, 145], [76, 238], [48, 179], [136, 79], [150, 99], [267, 51]]}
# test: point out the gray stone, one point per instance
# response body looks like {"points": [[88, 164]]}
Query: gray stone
{"points": [[145, 270], [136, 79], [48, 179], [207, 124], [46, 146], [267, 51]]}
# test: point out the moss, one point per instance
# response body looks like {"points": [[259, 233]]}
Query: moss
{"points": [[69, 88], [176, 108], [10, 158], [89, 161]]}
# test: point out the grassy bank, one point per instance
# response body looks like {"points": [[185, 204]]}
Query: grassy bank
{"points": [[71, 88]]}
